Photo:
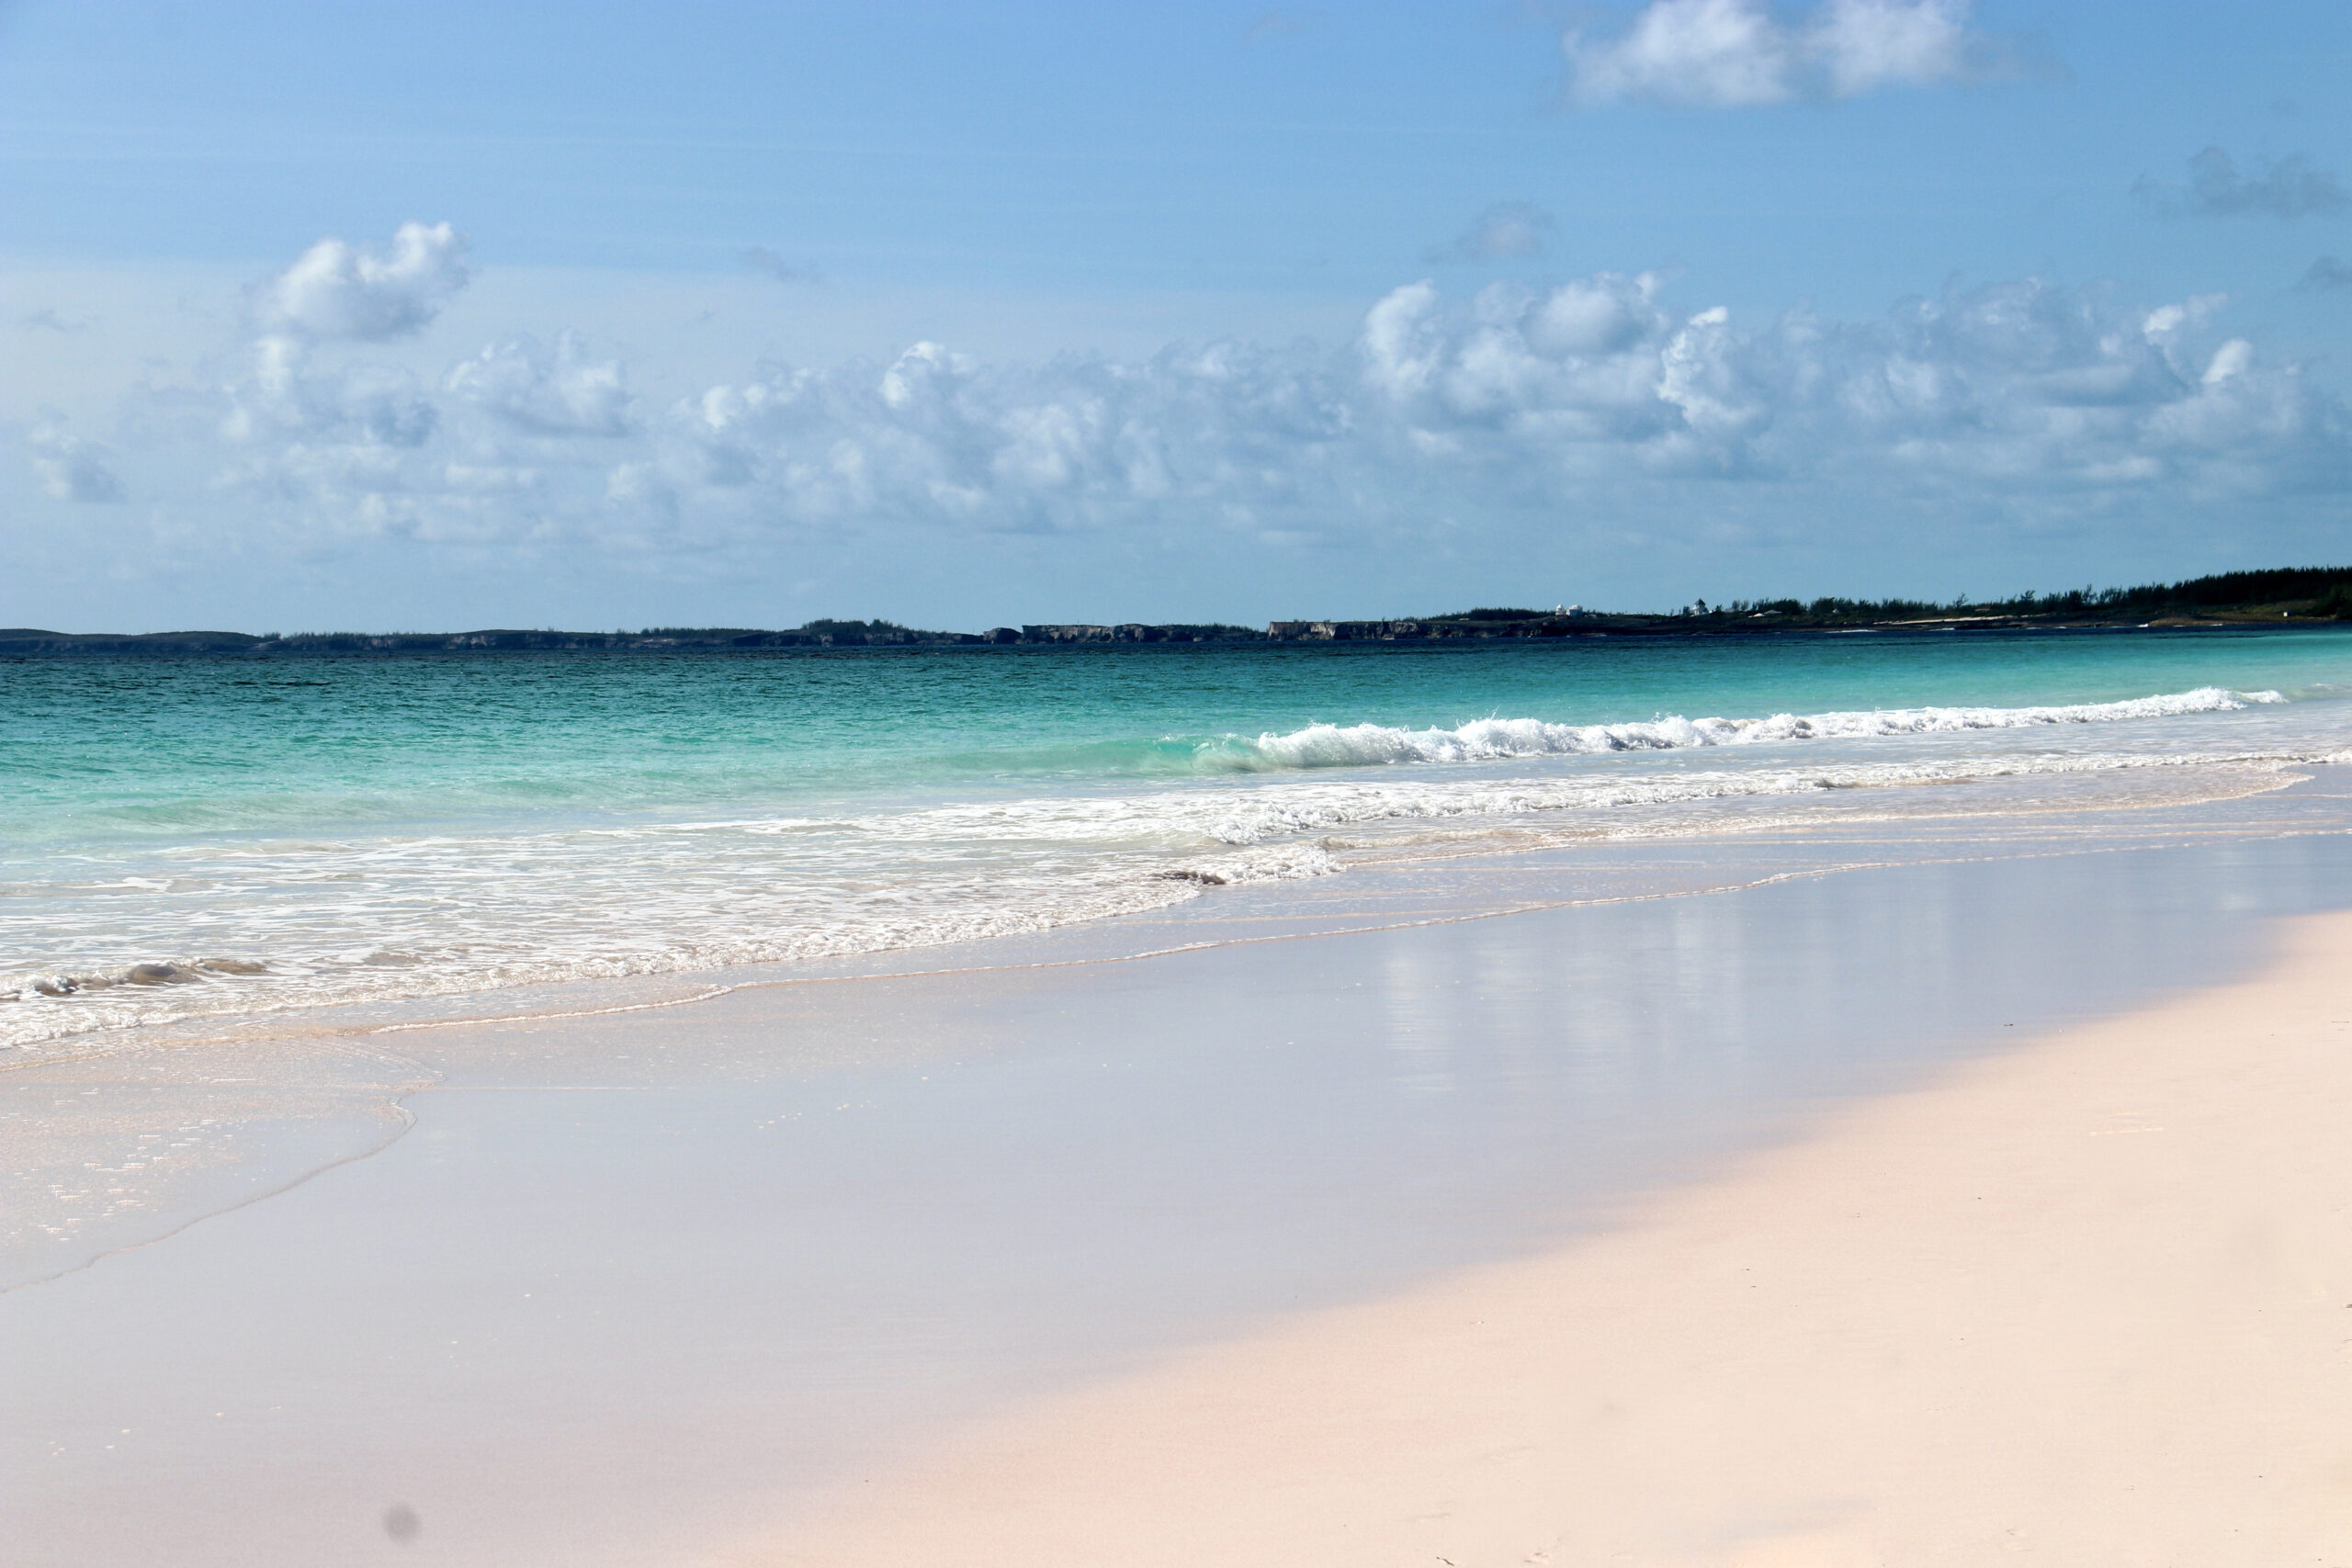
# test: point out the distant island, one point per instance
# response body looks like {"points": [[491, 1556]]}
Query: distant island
{"points": [[2307, 594]]}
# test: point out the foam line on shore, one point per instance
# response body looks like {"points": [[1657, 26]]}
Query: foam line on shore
{"points": [[581, 913]]}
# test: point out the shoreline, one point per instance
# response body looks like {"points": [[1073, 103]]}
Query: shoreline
{"points": [[2086, 1298], [306, 1087], [661, 1286], [1822, 811]]}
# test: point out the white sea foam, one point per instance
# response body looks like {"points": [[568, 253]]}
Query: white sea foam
{"points": [[387, 917], [1333, 746]]}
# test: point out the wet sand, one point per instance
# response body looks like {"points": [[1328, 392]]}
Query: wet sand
{"points": [[687, 1285], [2089, 1301]]}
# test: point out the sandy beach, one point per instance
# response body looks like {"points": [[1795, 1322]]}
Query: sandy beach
{"points": [[2087, 1301], [1862, 1213], [1175, 786]]}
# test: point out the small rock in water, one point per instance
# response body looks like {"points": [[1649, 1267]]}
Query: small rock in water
{"points": [[57, 985], [232, 966], [157, 975]]}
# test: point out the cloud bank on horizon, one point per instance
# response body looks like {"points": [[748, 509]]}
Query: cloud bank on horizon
{"points": [[1512, 397]]}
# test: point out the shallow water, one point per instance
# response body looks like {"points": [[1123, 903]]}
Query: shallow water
{"points": [[380, 828]]}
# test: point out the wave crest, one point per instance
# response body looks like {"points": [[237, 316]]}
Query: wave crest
{"points": [[1362, 745]]}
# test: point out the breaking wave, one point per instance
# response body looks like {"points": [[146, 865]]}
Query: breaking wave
{"points": [[1360, 745]]}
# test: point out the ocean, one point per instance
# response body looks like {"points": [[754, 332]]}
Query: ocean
{"points": [[229, 837]]}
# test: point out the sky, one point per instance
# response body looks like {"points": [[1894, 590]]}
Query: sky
{"points": [[429, 316]]}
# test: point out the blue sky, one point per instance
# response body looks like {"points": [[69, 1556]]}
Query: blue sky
{"points": [[422, 315]]}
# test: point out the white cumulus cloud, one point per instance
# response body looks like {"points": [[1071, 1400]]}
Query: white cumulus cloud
{"points": [[558, 392], [336, 290], [1866, 44], [1738, 53]]}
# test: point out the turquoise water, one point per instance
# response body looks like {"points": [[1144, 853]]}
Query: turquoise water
{"points": [[374, 826], [101, 746]]}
